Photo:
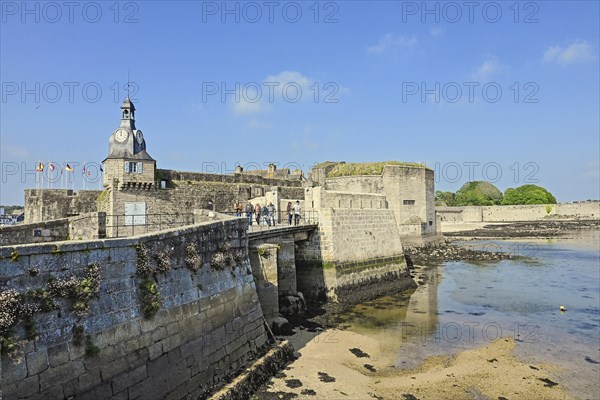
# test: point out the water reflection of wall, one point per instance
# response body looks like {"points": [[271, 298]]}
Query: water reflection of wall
{"points": [[422, 309], [395, 321]]}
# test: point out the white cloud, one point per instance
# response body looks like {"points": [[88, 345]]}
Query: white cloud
{"points": [[391, 41], [290, 77], [580, 51], [256, 124], [286, 86], [435, 31], [245, 106], [490, 67]]}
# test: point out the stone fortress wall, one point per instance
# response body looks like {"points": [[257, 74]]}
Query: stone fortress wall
{"points": [[183, 191], [49, 204], [357, 243], [209, 323], [408, 191], [588, 210], [85, 226]]}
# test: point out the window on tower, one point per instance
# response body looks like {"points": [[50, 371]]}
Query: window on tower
{"points": [[133, 167]]}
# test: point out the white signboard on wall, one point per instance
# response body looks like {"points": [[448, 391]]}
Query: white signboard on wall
{"points": [[135, 213]]}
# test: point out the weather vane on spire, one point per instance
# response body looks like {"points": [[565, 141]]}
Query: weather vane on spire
{"points": [[128, 84]]}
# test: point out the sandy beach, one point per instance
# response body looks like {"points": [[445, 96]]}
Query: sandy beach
{"points": [[346, 365]]}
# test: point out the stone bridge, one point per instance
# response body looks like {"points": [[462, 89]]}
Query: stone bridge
{"points": [[273, 258]]}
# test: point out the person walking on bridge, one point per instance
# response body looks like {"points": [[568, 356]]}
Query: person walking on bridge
{"points": [[297, 210], [237, 206], [249, 212], [257, 212], [272, 210], [290, 212]]}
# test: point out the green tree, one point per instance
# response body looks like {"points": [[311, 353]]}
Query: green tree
{"points": [[528, 194], [446, 198], [478, 193]]}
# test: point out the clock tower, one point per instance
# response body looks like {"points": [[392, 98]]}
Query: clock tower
{"points": [[128, 165]]}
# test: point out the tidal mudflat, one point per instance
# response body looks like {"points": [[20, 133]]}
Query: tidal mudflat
{"points": [[469, 331]]}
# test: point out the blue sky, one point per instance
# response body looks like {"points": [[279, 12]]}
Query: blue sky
{"points": [[505, 91]]}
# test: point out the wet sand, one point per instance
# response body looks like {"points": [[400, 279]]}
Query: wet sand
{"points": [[345, 365]]}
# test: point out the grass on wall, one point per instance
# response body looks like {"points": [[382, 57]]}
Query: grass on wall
{"points": [[374, 168]]}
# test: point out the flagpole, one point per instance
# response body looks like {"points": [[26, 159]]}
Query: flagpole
{"points": [[83, 175]]}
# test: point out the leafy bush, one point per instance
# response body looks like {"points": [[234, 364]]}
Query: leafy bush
{"points": [[478, 193], [528, 194], [446, 198]]}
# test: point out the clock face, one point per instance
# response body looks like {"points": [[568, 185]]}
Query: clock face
{"points": [[121, 135], [139, 136]]}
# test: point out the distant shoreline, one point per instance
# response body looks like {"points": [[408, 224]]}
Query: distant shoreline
{"points": [[516, 229]]}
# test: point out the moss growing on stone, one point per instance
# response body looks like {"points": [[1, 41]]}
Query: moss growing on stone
{"points": [[91, 349], [262, 252], [102, 199], [150, 298], [78, 335], [18, 307], [328, 265]]}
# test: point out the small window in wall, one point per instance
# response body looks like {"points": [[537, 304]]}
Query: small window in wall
{"points": [[133, 167], [430, 223], [409, 202]]}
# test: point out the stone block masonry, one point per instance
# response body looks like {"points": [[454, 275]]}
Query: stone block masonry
{"points": [[49, 204], [355, 254], [586, 210], [208, 324], [86, 226]]}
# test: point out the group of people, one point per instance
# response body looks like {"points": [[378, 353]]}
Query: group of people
{"points": [[266, 215]]}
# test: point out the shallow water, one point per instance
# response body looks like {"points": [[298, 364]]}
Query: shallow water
{"points": [[463, 305]]}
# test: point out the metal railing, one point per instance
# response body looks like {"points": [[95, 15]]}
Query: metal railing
{"points": [[121, 225], [280, 219]]}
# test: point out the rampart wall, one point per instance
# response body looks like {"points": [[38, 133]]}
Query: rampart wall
{"points": [[49, 204], [86, 226], [207, 325], [185, 191], [354, 251], [534, 212]]}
